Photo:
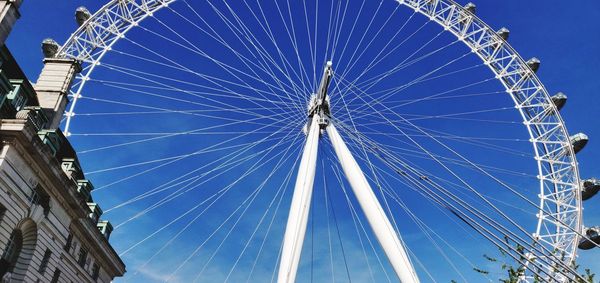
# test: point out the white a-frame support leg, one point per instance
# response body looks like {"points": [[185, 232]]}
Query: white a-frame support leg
{"points": [[298, 217], [384, 231]]}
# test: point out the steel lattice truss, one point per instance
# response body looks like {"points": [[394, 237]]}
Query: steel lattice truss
{"points": [[560, 217]]}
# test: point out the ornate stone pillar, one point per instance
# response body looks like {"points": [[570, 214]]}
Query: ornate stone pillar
{"points": [[53, 87], [9, 14]]}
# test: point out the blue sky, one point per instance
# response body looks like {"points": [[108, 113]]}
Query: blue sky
{"points": [[561, 36]]}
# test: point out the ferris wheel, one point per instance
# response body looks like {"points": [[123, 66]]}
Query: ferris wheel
{"points": [[255, 141]]}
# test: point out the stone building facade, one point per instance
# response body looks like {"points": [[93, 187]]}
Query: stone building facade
{"points": [[50, 228]]}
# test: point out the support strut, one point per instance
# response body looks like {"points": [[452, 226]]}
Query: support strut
{"points": [[384, 231], [319, 113], [298, 217]]}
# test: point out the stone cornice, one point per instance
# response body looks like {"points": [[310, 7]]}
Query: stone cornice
{"points": [[21, 135]]}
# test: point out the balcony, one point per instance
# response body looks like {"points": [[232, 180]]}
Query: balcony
{"points": [[54, 139], [35, 115], [84, 188], [22, 94], [95, 212], [72, 168], [105, 228], [63, 151], [6, 109]]}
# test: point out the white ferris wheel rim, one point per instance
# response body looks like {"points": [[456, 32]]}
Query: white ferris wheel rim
{"points": [[557, 168]]}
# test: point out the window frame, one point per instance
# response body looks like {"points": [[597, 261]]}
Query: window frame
{"points": [[45, 261]]}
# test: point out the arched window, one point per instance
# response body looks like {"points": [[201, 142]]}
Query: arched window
{"points": [[19, 250], [11, 252]]}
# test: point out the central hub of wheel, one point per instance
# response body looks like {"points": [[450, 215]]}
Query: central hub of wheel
{"points": [[319, 101]]}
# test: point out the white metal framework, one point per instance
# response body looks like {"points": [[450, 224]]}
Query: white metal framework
{"points": [[560, 215], [298, 217]]}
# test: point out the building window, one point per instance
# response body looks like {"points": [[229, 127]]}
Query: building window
{"points": [[56, 276], [95, 271], [2, 212], [69, 243], [12, 251], [19, 249], [34, 198], [82, 257], [45, 260], [41, 198]]}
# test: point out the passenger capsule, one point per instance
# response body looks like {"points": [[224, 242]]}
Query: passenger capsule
{"points": [[81, 15], [470, 7], [578, 141], [49, 47], [559, 99], [534, 64], [593, 239], [590, 188], [504, 33]]}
